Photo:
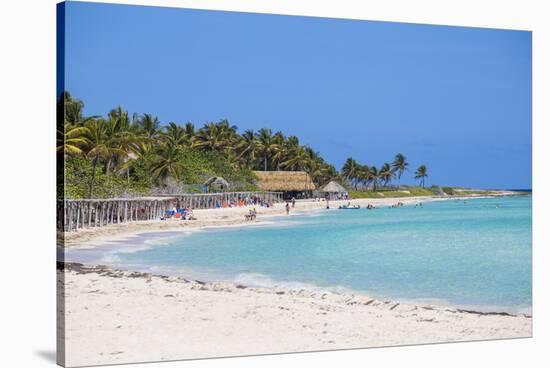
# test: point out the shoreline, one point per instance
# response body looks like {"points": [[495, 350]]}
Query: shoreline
{"points": [[125, 233], [197, 319], [109, 270], [225, 217]]}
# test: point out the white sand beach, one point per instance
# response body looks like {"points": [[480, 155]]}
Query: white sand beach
{"points": [[120, 317], [111, 315]]}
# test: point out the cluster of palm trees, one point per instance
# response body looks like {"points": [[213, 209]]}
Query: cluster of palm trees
{"points": [[362, 175], [117, 142], [262, 150]]}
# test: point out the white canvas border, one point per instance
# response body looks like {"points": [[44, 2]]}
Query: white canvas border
{"points": [[28, 179]]}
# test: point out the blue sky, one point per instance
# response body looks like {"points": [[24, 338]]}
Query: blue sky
{"points": [[456, 99]]}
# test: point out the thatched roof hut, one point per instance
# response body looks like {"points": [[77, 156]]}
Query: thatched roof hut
{"points": [[333, 187], [216, 183], [284, 181]]}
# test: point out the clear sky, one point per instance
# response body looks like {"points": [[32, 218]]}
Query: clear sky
{"points": [[456, 99]]}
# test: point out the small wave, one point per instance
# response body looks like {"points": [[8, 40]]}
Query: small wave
{"points": [[164, 240], [110, 258], [284, 223], [261, 280], [158, 269]]}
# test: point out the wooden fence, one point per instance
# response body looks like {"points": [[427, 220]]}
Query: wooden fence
{"points": [[214, 200], [76, 214]]}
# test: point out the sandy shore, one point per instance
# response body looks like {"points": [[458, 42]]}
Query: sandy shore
{"points": [[120, 317]]}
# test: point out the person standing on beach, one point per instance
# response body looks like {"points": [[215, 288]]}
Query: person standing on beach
{"points": [[293, 202], [287, 208]]}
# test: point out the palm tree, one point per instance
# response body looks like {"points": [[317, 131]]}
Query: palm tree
{"points": [[149, 125], [190, 132], [292, 141], [374, 177], [266, 145], [247, 147], [289, 147], [399, 166], [421, 174], [72, 140], [350, 170], [99, 146], [330, 174], [215, 136], [117, 128], [279, 152], [208, 137], [174, 134], [229, 134], [134, 142], [363, 175], [166, 163], [317, 168], [386, 174], [226, 127], [298, 160], [72, 109], [318, 172]]}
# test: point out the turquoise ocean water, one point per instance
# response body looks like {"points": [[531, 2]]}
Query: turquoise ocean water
{"points": [[474, 254]]}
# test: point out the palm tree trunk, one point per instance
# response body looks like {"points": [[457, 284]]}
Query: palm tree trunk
{"points": [[265, 162], [91, 184], [107, 167]]}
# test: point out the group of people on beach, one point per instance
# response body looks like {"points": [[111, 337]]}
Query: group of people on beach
{"points": [[241, 202], [251, 216], [397, 205], [178, 213], [339, 196]]}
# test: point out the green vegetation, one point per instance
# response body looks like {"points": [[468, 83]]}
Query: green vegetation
{"points": [[119, 155], [363, 176], [403, 192], [78, 171], [462, 191], [122, 155], [448, 190], [421, 174], [416, 191]]}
